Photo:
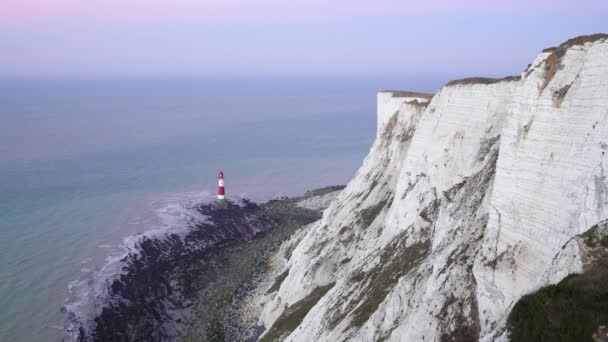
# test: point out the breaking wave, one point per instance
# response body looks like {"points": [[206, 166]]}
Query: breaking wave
{"points": [[173, 216]]}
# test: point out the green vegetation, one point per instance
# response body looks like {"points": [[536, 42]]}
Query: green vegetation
{"points": [[553, 62], [396, 261], [589, 236], [372, 186], [287, 209], [294, 315], [368, 215], [593, 238], [277, 282], [215, 328], [374, 285], [324, 191], [482, 80], [569, 311], [390, 126], [289, 251], [400, 93], [370, 190], [408, 132], [219, 314]]}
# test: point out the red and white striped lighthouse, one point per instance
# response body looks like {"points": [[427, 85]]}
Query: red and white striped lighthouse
{"points": [[220, 186]]}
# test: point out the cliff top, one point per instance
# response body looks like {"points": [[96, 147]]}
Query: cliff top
{"points": [[555, 59], [482, 80], [399, 93], [580, 40]]}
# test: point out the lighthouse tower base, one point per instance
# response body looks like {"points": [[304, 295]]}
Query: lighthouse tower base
{"points": [[222, 203]]}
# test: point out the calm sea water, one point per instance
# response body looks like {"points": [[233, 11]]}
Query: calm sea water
{"points": [[86, 163]]}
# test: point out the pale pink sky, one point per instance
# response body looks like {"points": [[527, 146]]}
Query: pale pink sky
{"points": [[129, 11], [286, 36]]}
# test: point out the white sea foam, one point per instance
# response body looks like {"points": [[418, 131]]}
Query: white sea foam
{"points": [[167, 215]]}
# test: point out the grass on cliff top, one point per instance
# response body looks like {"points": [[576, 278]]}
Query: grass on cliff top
{"points": [[580, 40], [569, 311], [291, 318], [482, 80], [554, 61], [401, 93]]}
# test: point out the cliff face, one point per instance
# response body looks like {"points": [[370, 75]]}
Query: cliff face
{"points": [[465, 202]]}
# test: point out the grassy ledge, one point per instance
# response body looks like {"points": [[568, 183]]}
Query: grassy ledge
{"points": [[277, 282], [291, 318], [572, 310]]}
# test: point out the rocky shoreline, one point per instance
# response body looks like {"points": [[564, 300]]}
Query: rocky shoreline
{"points": [[196, 287]]}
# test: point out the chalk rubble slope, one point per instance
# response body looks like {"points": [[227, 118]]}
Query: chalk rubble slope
{"points": [[465, 202]]}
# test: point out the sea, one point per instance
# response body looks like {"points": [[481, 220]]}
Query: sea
{"points": [[89, 164]]}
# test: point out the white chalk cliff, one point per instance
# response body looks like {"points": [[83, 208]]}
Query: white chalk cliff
{"points": [[466, 202]]}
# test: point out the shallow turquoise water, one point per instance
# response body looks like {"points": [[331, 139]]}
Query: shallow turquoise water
{"points": [[85, 163]]}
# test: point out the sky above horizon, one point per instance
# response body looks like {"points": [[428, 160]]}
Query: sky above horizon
{"points": [[280, 37]]}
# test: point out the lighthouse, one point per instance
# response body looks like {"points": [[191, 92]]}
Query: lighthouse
{"points": [[221, 193]]}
